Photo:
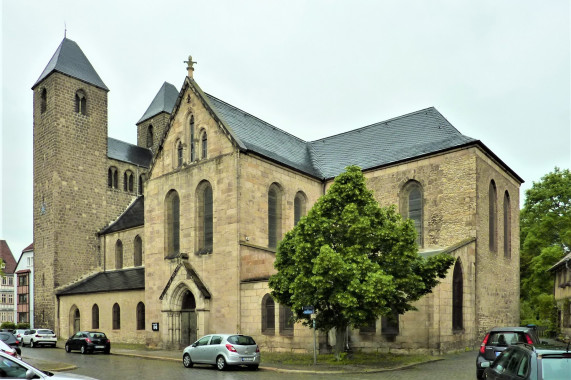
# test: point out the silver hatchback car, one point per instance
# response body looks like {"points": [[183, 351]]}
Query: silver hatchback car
{"points": [[223, 350]]}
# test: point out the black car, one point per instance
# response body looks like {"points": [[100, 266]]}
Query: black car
{"points": [[88, 341], [11, 341], [500, 338], [524, 361]]}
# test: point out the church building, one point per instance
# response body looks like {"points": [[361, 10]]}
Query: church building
{"points": [[162, 242]]}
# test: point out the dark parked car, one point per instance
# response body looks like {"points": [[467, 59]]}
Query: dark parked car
{"points": [[11, 341], [500, 338], [88, 341], [524, 361]]}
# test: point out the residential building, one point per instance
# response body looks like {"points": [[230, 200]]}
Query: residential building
{"points": [[24, 289], [7, 283]]}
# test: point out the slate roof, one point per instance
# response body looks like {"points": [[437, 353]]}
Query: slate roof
{"points": [[7, 258], [566, 260], [133, 154], [117, 280], [134, 216], [391, 141], [265, 139], [164, 101], [70, 60], [412, 135]]}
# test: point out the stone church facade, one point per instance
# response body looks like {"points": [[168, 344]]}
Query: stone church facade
{"points": [[175, 237]]}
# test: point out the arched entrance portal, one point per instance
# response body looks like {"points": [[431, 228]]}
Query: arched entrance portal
{"points": [[187, 319], [74, 320]]}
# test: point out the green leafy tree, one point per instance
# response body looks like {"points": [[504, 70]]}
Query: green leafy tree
{"points": [[545, 238], [352, 260]]}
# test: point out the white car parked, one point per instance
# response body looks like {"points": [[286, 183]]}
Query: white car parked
{"points": [[13, 368], [39, 337]]}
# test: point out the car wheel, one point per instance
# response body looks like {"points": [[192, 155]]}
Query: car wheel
{"points": [[83, 350], [32, 344], [107, 351], [221, 363], [67, 348], [253, 367], [187, 361]]}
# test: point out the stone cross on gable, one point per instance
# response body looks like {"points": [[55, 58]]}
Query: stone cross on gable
{"points": [[189, 66]]}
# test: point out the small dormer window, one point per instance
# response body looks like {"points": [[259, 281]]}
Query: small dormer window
{"points": [[80, 102]]}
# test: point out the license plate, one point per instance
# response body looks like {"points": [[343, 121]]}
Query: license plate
{"points": [[247, 359], [99, 346]]}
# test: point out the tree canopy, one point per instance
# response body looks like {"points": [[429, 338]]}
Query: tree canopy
{"points": [[545, 236], [352, 260]]}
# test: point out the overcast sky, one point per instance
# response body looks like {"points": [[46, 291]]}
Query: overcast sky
{"points": [[498, 70]]}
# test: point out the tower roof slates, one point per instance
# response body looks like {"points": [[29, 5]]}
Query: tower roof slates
{"points": [[70, 60], [164, 101]]}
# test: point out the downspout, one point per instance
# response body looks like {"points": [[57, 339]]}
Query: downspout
{"points": [[239, 248]]}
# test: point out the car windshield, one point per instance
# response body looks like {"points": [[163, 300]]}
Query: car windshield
{"points": [[241, 340], [45, 332], [556, 368], [506, 338], [97, 335]]}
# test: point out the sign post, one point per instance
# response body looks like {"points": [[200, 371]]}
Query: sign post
{"points": [[309, 310]]}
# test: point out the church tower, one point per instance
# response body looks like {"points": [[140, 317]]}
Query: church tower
{"points": [[70, 174]]}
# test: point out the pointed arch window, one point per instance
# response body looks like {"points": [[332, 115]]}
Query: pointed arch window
{"points": [[457, 297], [179, 153], [205, 218], [299, 203], [204, 141], [492, 216], [412, 207], [140, 316], [118, 254], [95, 316], [150, 136], [138, 251], [43, 100], [192, 148], [268, 315], [274, 215], [507, 226], [116, 317], [172, 248]]}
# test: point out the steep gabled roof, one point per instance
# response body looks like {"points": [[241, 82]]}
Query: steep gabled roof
{"points": [[7, 258], [413, 135], [134, 216], [113, 281], [133, 154], [28, 248], [265, 139], [70, 60], [164, 101], [393, 141]]}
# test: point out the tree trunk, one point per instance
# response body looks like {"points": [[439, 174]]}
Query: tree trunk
{"points": [[339, 341]]}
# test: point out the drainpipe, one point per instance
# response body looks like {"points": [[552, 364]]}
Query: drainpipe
{"points": [[238, 253]]}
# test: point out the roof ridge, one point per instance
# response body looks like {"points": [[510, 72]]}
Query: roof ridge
{"points": [[255, 117], [376, 124]]}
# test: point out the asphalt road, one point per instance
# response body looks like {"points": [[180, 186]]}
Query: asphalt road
{"points": [[109, 367]]}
